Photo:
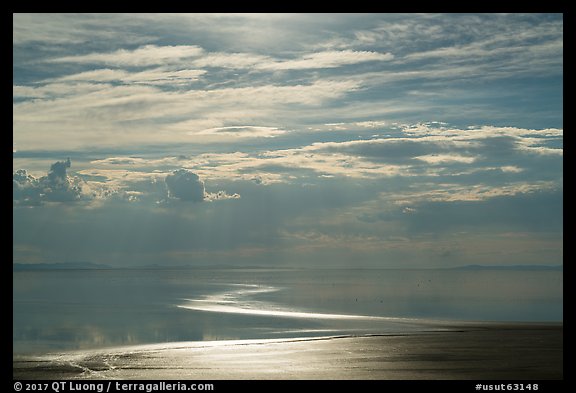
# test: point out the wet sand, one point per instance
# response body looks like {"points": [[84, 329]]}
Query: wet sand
{"points": [[489, 351]]}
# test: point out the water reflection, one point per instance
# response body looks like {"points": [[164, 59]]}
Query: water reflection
{"points": [[239, 302], [54, 310]]}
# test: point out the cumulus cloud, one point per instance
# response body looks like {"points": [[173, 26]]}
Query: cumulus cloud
{"points": [[185, 185], [98, 186], [57, 173], [56, 186], [220, 195], [24, 187]]}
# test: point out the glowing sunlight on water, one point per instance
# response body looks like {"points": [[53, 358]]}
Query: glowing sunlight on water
{"points": [[239, 302]]}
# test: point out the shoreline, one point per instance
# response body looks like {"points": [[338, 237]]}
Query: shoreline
{"points": [[469, 350]]}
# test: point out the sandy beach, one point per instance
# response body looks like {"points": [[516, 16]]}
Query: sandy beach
{"points": [[470, 351]]}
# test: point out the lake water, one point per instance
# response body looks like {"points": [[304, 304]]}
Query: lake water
{"points": [[81, 309]]}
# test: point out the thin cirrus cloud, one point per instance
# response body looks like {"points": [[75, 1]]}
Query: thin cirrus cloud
{"points": [[242, 131], [327, 59], [147, 55], [155, 76], [150, 55], [114, 108], [194, 85], [324, 59]]}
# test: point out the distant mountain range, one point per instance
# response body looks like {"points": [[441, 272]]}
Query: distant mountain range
{"points": [[509, 267], [59, 266], [97, 266]]}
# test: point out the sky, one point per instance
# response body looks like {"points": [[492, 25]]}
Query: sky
{"points": [[326, 140]]}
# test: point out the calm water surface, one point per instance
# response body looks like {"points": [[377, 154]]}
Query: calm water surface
{"points": [[76, 309]]}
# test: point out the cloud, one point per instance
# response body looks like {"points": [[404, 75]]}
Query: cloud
{"points": [[185, 185], [154, 92], [316, 60], [480, 155], [24, 188], [453, 192], [66, 29], [485, 131], [117, 114], [151, 55], [392, 149], [153, 76], [435, 159], [57, 173], [310, 117], [136, 180], [522, 41], [146, 55], [56, 186], [241, 131], [525, 208], [232, 60], [219, 196], [326, 59]]}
